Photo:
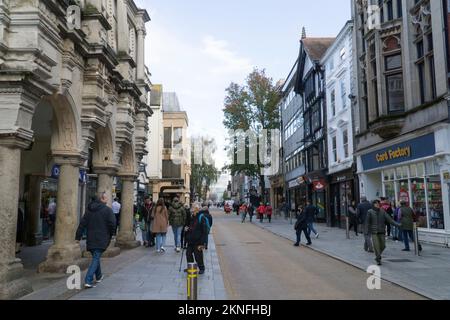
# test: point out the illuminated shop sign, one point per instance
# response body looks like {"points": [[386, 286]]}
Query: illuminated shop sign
{"points": [[406, 151]]}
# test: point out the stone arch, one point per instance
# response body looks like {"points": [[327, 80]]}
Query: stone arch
{"points": [[66, 124], [104, 147], [128, 160]]}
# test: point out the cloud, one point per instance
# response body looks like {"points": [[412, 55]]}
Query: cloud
{"points": [[227, 61]]}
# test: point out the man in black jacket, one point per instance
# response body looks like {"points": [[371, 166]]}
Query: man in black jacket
{"points": [[302, 226], [100, 223], [196, 241]]}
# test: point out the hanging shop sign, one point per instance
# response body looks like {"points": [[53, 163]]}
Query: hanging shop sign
{"points": [[319, 185], [406, 151], [56, 170]]}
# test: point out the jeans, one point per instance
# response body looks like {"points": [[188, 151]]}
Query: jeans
{"points": [[94, 268], [311, 228], [177, 235], [299, 235], [243, 216], [406, 234], [191, 252], [160, 241]]}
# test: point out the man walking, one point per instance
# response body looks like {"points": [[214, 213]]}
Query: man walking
{"points": [[406, 217], [146, 212], [196, 240], [311, 212], [100, 223], [177, 215], [361, 213], [302, 226], [376, 225]]}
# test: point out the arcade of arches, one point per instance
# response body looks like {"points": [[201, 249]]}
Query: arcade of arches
{"points": [[74, 115]]}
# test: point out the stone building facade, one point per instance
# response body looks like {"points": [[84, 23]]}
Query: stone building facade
{"points": [[73, 101], [402, 132]]}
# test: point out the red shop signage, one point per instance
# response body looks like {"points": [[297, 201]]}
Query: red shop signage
{"points": [[319, 185]]}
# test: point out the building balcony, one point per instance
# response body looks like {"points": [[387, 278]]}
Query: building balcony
{"points": [[388, 126]]}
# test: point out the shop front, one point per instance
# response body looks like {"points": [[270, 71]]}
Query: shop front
{"points": [[416, 171], [317, 193], [276, 191], [297, 192], [342, 193]]}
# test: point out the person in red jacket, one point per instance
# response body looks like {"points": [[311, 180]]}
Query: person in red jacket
{"points": [[261, 212], [269, 212]]}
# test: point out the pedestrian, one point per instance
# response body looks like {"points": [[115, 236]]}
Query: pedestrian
{"points": [[301, 225], [352, 217], [196, 240], [406, 215], [386, 206], [116, 207], [177, 215], [395, 229], [187, 222], [51, 211], [100, 223], [160, 224], [146, 216], [19, 230], [261, 212], [243, 210], [251, 212], [269, 212], [311, 212], [376, 225], [361, 211], [285, 209]]}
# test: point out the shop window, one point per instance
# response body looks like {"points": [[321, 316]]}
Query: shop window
{"points": [[419, 201], [345, 142], [435, 205]]}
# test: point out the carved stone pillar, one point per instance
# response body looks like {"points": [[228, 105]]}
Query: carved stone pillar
{"points": [[65, 251], [140, 52], [126, 238], [12, 284], [34, 225], [123, 31]]}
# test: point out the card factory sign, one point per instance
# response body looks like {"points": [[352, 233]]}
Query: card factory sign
{"points": [[409, 150]]}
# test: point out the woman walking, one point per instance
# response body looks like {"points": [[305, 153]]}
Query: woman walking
{"points": [[243, 211], [352, 217], [160, 225], [269, 212], [261, 212], [177, 216]]}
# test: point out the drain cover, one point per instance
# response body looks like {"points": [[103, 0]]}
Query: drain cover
{"points": [[399, 260]]}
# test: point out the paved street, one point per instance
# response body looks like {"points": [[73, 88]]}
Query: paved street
{"points": [[142, 274], [257, 264]]}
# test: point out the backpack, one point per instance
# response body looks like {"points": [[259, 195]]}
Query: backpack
{"points": [[208, 220]]}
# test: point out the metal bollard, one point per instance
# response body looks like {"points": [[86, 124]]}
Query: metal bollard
{"points": [[416, 239], [347, 227], [192, 277]]}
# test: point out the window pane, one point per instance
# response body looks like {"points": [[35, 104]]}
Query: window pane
{"points": [[177, 136], [393, 62], [435, 205], [168, 137], [396, 100]]}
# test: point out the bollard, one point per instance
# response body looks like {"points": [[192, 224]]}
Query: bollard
{"points": [[347, 227], [416, 239], [192, 277]]}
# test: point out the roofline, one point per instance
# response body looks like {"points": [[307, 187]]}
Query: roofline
{"points": [[304, 48], [290, 77], [349, 24]]}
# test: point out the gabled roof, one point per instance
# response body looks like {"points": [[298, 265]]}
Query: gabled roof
{"points": [[316, 47]]}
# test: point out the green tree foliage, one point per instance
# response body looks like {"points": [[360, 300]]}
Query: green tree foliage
{"points": [[254, 107]]}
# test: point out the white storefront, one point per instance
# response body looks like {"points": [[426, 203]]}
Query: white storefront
{"points": [[415, 169]]}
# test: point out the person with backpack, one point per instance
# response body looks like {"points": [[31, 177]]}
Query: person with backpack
{"points": [[407, 217], [177, 214], [197, 238], [311, 211]]}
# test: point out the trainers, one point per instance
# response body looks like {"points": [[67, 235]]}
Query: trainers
{"points": [[178, 250], [89, 286], [309, 243], [100, 280], [163, 249], [317, 236], [159, 251]]}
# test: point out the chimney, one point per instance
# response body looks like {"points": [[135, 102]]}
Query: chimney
{"points": [[303, 33]]}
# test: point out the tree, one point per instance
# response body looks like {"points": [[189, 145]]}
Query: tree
{"points": [[251, 108], [203, 172]]}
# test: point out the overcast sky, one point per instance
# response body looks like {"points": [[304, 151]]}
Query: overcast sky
{"points": [[197, 48]]}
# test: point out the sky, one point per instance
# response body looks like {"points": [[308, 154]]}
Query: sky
{"points": [[197, 48]]}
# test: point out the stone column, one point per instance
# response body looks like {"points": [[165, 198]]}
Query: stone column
{"points": [[65, 251], [105, 184], [126, 238], [123, 31], [140, 54], [34, 225], [12, 284]]}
